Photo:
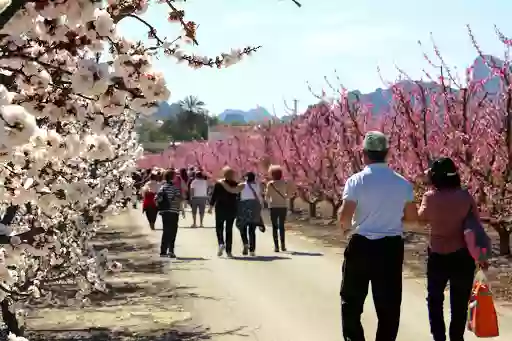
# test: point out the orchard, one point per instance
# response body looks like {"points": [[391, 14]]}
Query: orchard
{"points": [[320, 149], [71, 90]]}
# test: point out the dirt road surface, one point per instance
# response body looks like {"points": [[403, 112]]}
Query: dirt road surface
{"points": [[287, 296]]}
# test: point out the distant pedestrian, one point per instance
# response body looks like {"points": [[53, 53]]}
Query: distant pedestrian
{"points": [[138, 182], [249, 213], [276, 195], [198, 197], [168, 201], [148, 192], [376, 201], [183, 186], [225, 204], [445, 209]]}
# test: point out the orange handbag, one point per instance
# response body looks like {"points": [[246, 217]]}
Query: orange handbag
{"points": [[482, 317]]}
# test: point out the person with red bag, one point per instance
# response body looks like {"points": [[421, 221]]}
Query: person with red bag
{"points": [[482, 316], [445, 209], [149, 191]]}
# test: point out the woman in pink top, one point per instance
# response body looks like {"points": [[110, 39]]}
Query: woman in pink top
{"points": [[444, 209]]}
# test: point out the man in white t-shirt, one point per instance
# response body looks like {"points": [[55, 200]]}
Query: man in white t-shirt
{"points": [[198, 197], [376, 202]]}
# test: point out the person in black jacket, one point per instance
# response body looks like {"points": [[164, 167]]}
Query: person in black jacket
{"points": [[225, 204]]}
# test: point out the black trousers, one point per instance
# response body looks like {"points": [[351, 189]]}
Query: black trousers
{"points": [[278, 218], [248, 234], [458, 268], [378, 262], [151, 214], [224, 222], [170, 230]]}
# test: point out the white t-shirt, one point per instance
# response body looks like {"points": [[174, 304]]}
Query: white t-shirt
{"points": [[200, 188], [381, 195], [247, 194]]}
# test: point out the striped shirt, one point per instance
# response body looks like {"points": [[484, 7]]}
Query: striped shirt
{"points": [[173, 194]]}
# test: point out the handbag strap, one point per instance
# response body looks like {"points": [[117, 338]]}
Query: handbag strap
{"points": [[277, 191], [256, 196]]}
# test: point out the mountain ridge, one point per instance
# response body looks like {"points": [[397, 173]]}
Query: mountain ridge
{"points": [[379, 100]]}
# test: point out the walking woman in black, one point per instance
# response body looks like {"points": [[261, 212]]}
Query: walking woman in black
{"points": [[225, 204]]}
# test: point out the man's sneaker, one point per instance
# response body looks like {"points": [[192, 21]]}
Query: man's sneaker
{"points": [[172, 255], [163, 255], [245, 251], [229, 254], [252, 254], [283, 248], [221, 250], [276, 249]]}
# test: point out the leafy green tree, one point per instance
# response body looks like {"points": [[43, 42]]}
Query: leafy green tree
{"points": [[191, 123]]}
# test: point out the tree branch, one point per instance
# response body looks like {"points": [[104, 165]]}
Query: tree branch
{"points": [[10, 11]]}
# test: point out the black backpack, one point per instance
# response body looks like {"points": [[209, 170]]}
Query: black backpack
{"points": [[162, 201]]}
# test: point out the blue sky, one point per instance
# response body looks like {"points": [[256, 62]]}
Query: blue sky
{"points": [[303, 45]]}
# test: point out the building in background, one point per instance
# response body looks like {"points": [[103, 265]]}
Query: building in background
{"points": [[224, 131]]}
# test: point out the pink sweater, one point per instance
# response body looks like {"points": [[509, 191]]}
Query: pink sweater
{"points": [[445, 211]]}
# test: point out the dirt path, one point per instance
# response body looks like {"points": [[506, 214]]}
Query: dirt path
{"points": [[289, 296], [142, 303]]}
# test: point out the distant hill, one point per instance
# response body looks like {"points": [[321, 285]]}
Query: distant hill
{"points": [[257, 114], [166, 110], [380, 99]]}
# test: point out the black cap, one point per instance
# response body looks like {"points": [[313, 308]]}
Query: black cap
{"points": [[444, 166]]}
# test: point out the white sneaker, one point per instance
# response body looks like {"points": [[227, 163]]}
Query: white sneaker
{"points": [[221, 250]]}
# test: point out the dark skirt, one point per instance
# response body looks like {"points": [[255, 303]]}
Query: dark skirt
{"points": [[248, 212]]}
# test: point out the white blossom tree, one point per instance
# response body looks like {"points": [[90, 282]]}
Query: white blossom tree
{"points": [[71, 89]]}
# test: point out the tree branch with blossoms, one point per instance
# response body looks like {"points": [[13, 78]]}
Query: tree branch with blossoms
{"points": [[67, 146]]}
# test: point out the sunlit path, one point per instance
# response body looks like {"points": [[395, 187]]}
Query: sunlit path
{"points": [[290, 296]]}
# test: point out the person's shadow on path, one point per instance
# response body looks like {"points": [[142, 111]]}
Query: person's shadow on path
{"points": [[311, 254], [260, 258]]}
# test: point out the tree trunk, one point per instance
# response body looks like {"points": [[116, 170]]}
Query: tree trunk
{"points": [[504, 234], [312, 209], [10, 319], [334, 212], [292, 204]]}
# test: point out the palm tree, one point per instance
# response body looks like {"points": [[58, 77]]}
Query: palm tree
{"points": [[192, 104], [194, 115]]}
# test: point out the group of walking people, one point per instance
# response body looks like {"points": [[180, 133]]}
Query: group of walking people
{"points": [[169, 192], [243, 202], [377, 204]]}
